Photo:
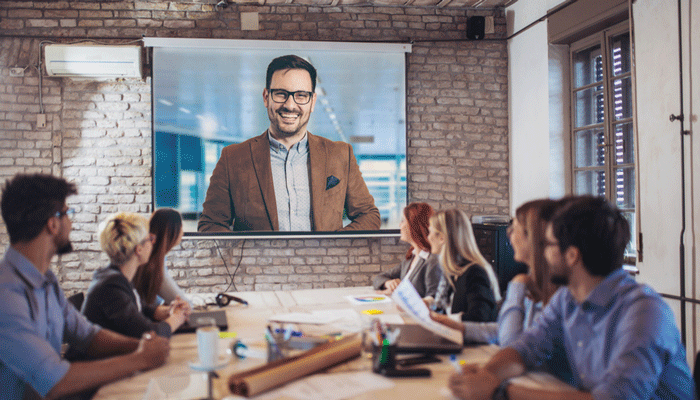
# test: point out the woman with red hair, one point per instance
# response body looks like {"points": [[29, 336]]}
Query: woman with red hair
{"points": [[420, 266]]}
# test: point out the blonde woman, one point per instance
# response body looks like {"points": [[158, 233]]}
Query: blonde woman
{"points": [[468, 284], [527, 293], [111, 300]]}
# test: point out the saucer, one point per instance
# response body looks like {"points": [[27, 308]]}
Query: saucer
{"points": [[222, 362]]}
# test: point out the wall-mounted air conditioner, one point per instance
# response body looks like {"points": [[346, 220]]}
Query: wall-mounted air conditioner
{"points": [[92, 61]]}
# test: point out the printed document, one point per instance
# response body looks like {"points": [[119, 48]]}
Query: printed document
{"points": [[410, 301]]}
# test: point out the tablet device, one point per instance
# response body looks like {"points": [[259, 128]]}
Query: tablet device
{"points": [[202, 318], [416, 339]]}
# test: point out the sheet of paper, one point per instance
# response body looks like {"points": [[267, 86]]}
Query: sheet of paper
{"points": [[394, 319], [368, 299], [348, 320], [183, 387], [410, 301], [316, 318], [336, 386]]}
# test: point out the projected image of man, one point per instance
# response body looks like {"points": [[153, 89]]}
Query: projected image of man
{"points": [[288, 179]]}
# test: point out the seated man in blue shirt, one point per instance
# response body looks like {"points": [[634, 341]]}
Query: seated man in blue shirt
{"points": [[35, 317], [614, 338]]}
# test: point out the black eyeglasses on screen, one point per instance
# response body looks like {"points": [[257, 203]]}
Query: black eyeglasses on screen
{"points": [[301, 97]]}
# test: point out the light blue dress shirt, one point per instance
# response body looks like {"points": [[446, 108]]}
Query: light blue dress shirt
{"points": [[620, 343], [290, 175], [517, 313], [35, 318]]}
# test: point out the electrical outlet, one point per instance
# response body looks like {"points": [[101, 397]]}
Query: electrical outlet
{"points": [[17, 72], [250, 21], [489, 28], [41, 121]]}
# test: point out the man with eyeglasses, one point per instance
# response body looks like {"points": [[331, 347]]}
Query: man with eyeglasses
{"points": [[613, 337], [36, 318], [288, 179]]}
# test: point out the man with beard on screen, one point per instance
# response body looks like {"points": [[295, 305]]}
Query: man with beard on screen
{"points": [[35, 316], [288, 179]]}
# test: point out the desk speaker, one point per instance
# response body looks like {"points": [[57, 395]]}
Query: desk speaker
{"points": [[475, 27]]}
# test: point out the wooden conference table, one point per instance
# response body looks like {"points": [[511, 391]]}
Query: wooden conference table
{"points": [[249, 322]]}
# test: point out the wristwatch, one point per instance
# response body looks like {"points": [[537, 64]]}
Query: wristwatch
{"points": [[501, 392]]}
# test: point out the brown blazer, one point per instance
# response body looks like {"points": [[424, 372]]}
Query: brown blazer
{"points": [[241, 194]]}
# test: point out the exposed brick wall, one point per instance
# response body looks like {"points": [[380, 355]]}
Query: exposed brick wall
{"points": [[98, 134]]}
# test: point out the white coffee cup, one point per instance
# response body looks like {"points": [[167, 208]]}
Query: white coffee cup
{"points": [[208, 346]]}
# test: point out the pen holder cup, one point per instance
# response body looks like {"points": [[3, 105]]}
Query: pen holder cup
{"points": [[277, 350], [383, 357], [292, 344], [282, 348]]}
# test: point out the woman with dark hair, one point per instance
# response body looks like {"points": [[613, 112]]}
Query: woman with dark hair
{"points": [[468, 285], [420, 266], [527, 293], [152, 278]]}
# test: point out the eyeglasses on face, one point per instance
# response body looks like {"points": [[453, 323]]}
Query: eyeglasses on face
{"points": [[300, 97], [69, 212]]}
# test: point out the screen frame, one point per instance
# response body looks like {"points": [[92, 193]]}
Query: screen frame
{"points": [[276, 45]]}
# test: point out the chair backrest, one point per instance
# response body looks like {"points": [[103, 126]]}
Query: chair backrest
{"points": [[77, 300]]}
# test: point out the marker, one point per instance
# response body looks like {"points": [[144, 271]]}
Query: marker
{"points": [[385, 352]]}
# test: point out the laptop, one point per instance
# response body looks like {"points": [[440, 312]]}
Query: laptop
{"points": [[416, 339], [203, 318]]}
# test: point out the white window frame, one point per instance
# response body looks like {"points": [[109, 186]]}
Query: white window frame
{"points": [[602, 38]]}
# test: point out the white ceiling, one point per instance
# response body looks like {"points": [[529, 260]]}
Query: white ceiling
{"points": [[414, 3]]}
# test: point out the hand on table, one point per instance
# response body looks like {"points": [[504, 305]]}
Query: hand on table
{"points": [[447, 321], [153, 350], [474, 383], [179, 311], [180, 305], [390, 286]]}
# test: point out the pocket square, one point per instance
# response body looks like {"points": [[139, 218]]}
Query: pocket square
{"points": [[332, 182]]}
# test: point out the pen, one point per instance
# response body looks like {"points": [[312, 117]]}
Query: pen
{"points": [[393, 335], [272, 342], [242, 351], [455, 363]]}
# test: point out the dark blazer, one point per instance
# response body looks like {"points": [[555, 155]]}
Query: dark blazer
{"points": [[425, 278], [111, 303], [473, 296], [241, 194]]}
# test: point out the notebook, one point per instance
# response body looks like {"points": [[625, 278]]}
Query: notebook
{"points": [[201, 318], [416, 339]]}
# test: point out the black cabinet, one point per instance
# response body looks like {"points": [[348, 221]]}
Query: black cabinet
{"points": [[495, 246]]}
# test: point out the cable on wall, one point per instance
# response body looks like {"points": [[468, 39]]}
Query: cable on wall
{"points": [[238, 265], [683, 134]]}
